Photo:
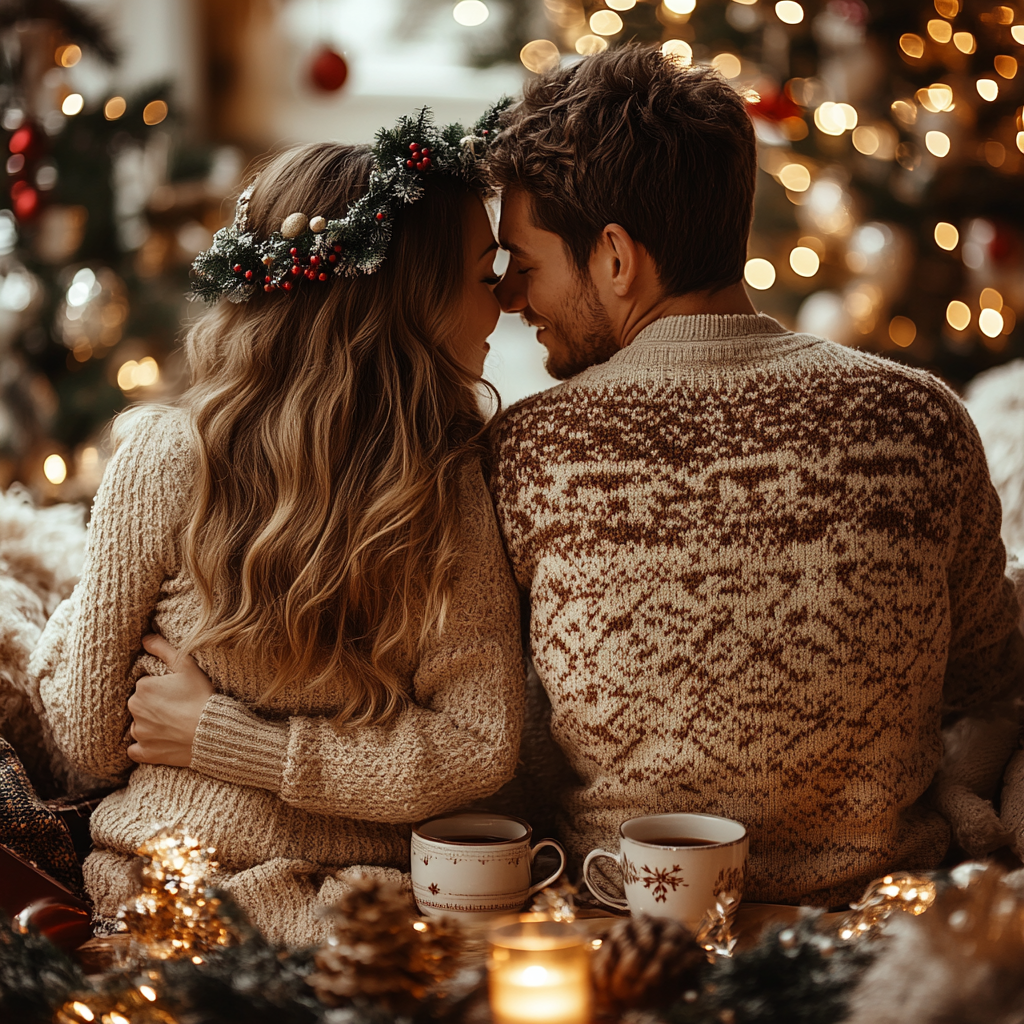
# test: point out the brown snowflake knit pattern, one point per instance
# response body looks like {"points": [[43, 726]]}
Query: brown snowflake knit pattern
{"points": [[761, 567], [288, 800]]}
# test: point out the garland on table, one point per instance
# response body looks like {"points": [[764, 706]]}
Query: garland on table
{"points": [[194, 956], [311, 247]]}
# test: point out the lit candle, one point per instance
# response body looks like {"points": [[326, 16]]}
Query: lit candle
{"points": [[539, 973]]}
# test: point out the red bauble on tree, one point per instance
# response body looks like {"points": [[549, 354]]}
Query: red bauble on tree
{"points": [[329, 70]]}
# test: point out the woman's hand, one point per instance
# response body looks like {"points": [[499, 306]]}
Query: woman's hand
{"points": [[166, 709]]}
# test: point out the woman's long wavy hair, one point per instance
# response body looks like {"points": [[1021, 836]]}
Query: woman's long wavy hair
{"points": [[330, 427]]}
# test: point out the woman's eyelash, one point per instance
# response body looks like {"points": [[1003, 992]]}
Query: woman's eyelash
{"points": [[492, 281]]}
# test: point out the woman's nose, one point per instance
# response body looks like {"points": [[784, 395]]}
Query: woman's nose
{"points": [[510, 294]]}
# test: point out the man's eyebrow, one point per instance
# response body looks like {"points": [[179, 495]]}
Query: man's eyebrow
{"points": [[490, 248], [513, 249]]}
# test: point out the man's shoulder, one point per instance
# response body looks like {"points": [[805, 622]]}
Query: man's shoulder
{"points": [[913, 388]]}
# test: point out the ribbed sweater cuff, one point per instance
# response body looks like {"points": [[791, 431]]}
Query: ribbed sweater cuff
{"points": [[234, 745]]}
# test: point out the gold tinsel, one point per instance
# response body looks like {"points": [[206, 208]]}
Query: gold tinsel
{"points": [[900, 891], [558, 902], [175, 914], [379, 950], [715, 931]]}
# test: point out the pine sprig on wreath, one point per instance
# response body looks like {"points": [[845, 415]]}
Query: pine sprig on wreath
{"points": [[313, 248]]}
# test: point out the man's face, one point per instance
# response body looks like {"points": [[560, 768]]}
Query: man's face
{"points": [[543, 285]]}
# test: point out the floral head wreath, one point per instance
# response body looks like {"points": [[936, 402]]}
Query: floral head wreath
{"points": [[313, 248]]}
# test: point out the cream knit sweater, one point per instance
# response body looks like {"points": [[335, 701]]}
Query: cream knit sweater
{"points": [[287, 800], [761, 568]]}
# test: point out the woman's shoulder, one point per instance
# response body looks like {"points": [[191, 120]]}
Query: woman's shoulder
{"points": [[152, 460], [154, 434]]}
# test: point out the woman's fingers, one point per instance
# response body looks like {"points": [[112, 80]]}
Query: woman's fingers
{"points": [[156, 645]]}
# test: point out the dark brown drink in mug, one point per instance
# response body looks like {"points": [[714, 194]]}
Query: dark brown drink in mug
{"points": [[678, 841], [473, 837]]}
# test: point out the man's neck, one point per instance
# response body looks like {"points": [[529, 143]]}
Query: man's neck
{"points": [[731, 300]]}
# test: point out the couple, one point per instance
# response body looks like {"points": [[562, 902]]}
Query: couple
{"points": [[758, 571]]}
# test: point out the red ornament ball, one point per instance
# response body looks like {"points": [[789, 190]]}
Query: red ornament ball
{"points": [[329, 70]]}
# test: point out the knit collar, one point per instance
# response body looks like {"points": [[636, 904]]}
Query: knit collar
{"points": [[711, 338]]}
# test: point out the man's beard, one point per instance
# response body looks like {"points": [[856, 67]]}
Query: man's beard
{"points": [[583, 334]]}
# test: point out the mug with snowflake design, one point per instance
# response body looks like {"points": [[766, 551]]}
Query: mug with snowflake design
{"points": [[674, 865], [476, 866]]}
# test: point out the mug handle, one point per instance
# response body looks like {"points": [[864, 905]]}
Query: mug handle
{"points": [[551, 878], [611, 901]]}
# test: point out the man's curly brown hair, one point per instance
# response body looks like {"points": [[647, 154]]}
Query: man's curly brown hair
{"points": [[631, 137]]}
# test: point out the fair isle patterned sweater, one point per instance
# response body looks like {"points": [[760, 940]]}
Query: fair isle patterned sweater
{"points": [[761, 568]]}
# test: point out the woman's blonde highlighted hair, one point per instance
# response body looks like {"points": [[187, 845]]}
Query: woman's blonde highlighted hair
{"points": [[330, 427]]}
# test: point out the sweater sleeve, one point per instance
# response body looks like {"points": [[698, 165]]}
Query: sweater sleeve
{"points": [[986, 649], [456, 740], [83, 662]]}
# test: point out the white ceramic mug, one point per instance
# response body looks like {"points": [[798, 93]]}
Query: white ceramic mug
{"points": [[475, 880], [675, 880]]}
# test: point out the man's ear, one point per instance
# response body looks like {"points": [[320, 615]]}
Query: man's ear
{"points": [[616, 260]]}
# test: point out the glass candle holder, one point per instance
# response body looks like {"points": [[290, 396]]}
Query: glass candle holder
{"points": [[539, 973]]}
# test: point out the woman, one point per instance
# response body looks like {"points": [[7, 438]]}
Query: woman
{"points": [[310, 525]]}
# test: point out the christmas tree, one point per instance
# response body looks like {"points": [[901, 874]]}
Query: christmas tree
{"points": [[103, 215]]}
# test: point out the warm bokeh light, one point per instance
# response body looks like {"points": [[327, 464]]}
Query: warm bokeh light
{"points": [[470, 12], [990, 299], [936, 98], [759, 274], [681, 6], [964, 42], [55, 470], [946, 236], [795, 177], [866, 140], [804, 261], [904, 110], [835, 118], [1018, 34], [142, 374], [588, 45], [154, 112], [1020, 141], [1006, 67], [679, 50], [72, 104], [947, 8], [940, 31], [988, 89], [622, 5], [789, 11], [605, 23], [937, 143], [995, 153], [912, 45], [148, 992], [1002, 15], [958, 315], [114, 108], [990, 322], [902, 331], [68, 56], [539, 56], [728, 64]]}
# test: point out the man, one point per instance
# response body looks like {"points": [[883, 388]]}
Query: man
{"points": [[761, 566]]}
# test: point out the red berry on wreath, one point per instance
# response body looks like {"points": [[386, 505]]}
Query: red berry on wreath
{"points": [[287, 286], [426, 151], [314, 260], [237, 268], [296, 269], [293, 251], [410, 163], [413, 146], [248, 275], [380, 216], [323, 277]]}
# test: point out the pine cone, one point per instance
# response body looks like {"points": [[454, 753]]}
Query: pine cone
{"points": [[645, 962], [380, 950]]}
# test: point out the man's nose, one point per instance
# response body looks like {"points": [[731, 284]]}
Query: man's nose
{"points": [[510, 294]]}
